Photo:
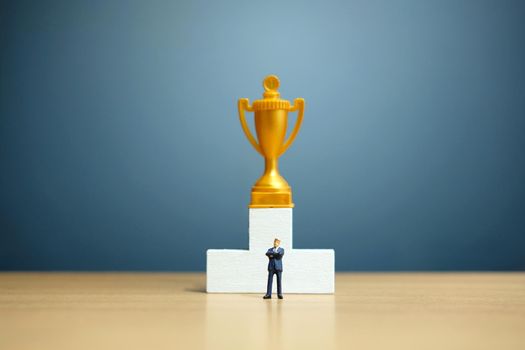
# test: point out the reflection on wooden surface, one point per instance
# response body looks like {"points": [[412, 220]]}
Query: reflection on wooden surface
{"points": [[172, 311], [297, 321]]}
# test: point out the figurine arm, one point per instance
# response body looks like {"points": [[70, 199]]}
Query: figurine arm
{"points": [[269, 254], [279, 255]]}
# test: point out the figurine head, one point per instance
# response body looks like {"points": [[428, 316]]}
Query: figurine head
{"points": [[276, 242]]}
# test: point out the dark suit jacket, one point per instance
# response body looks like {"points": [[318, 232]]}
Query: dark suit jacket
{"points": [[275, 263]]}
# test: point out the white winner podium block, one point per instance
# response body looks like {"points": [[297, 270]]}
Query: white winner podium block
{"points": [[245, 271]]}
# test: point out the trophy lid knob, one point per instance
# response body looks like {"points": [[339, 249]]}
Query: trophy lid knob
{"points": [[271, 84], [271, 100]]}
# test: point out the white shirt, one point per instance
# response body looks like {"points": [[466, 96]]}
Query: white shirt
{"points": [[275, 249]]}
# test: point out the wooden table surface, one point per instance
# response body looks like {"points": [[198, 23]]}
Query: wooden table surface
{"points": [[172, 311]]}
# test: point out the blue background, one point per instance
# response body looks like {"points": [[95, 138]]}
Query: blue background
{"points": [[120, 146]]}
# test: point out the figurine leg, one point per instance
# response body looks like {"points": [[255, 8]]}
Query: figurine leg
{"points": [[279, 291], [270, 282]]}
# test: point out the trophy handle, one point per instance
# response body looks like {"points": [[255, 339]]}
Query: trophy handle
{"points": [[243, 105], [298, 105]]}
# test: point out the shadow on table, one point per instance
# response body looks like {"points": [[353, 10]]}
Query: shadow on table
{"points": [[197, 289]]}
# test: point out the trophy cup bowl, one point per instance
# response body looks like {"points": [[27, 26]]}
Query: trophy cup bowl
{"points": [[271, 123]]}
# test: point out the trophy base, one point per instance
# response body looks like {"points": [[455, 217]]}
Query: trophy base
{"points": [[271, 200]]}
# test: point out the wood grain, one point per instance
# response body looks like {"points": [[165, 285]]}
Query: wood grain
{"points": [[172, 311]]}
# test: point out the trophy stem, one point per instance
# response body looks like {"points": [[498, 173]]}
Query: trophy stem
{"points": [[271, 166], [271, 190], [272, 181]]}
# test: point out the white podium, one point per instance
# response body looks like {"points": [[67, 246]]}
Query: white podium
{"points": [[245, 271]]}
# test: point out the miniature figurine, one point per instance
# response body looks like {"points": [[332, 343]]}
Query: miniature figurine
{"points": [[275, 267]]}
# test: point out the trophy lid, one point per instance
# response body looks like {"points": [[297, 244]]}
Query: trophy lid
{"points": [[271, 100]]}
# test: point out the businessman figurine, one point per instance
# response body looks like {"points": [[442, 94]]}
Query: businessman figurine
{"points": [[275, 266]]}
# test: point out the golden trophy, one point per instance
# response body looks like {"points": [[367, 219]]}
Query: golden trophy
{"points": [[271, 122]]}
